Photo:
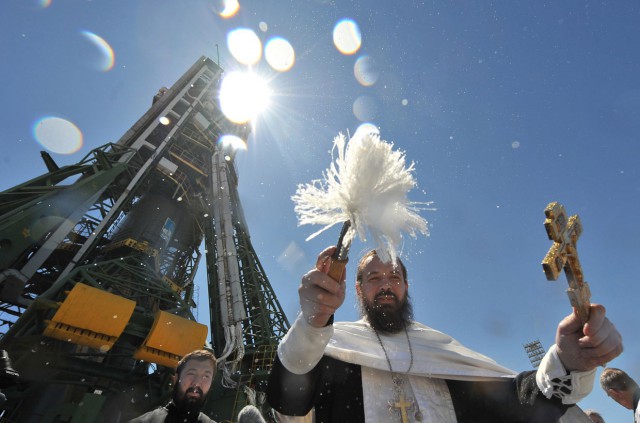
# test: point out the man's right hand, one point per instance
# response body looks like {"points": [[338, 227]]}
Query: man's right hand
{"points": [[320, 295]]}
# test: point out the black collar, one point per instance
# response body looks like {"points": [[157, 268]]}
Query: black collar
{"points": [[176, 414]]}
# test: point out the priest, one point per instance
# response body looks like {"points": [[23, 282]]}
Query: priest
{"points": [[387, 367]]}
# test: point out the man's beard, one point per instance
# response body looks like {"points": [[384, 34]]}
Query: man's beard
{"points": [[390, 318], [185, 403]]}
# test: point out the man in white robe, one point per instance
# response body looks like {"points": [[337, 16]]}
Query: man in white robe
{"points": [[388, 367]]}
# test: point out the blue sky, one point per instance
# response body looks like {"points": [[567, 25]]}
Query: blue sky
{"points": [[504, 106]]}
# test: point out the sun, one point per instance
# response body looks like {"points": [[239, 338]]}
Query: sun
{"points": [[243, 95]]}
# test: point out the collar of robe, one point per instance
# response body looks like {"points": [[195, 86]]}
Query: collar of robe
{"points": [[436, 354]]}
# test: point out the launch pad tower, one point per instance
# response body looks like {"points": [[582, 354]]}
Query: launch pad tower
{"points": [[97, 267]]}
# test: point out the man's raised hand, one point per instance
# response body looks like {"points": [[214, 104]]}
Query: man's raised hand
{"points": [[585, 347], [320, 295]]}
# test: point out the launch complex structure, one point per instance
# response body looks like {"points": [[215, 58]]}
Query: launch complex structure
{"points": [[97, 267]]}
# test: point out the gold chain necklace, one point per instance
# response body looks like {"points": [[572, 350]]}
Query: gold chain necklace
{"points": [[400, 402]]}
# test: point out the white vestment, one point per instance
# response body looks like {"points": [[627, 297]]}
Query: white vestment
{"points": [[436, 357]]}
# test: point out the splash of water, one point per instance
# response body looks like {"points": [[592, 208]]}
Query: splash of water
{"points": [[367, 184]]}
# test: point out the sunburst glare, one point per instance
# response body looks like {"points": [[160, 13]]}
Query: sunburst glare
{"points": [[243, 95]]}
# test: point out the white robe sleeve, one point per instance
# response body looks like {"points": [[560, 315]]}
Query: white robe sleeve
{"points": [[553, 380], [303, 346]]}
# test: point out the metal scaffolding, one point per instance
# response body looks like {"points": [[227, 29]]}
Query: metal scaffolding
{"points": [[97, 268]]}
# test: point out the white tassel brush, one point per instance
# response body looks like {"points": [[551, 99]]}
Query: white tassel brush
{"points": [[365, 189]]}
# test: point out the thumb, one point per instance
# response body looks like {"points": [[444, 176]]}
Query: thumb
{"points": [[570, 324]]}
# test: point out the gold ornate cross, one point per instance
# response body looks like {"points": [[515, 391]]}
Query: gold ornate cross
{"points": [[563, 254], [403, 405]]}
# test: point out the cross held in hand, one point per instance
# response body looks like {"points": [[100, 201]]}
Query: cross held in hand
{"points": [[563, 254]]}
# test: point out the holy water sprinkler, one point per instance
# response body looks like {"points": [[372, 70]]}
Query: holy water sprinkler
{"points": [[364, 189]]}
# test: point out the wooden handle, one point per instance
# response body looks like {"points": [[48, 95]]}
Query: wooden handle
{"points": [[336, 269], [580, 298]]}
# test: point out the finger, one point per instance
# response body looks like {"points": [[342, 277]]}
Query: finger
{"points": [[606, 340], [597, 329], [596, 320], [319, 301], [570, 324], [323, 281], [322, 263], [316, 284], [317, 309], [613, 348], [320, 295], [609, 349]]}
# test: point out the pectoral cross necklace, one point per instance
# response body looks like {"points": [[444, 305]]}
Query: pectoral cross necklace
{"points": [[399, 401]]}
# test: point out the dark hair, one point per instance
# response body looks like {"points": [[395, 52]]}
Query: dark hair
{"points": [[592, 413], [363, 262], [612, 378], [201, 355]]}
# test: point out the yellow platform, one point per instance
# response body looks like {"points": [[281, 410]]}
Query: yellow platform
{"points": [[171, 338], [90, 316]]}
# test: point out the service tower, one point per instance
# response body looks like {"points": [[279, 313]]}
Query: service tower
{"points": [[97, 266]]}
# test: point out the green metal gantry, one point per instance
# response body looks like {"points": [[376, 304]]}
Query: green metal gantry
{"points": [[132, 220]]}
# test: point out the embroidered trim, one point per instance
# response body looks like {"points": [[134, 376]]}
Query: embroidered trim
{"points": [[552, 379], [562, 387]]}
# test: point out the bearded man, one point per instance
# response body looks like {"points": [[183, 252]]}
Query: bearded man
{"points": [[388, 367], [191, 385]]}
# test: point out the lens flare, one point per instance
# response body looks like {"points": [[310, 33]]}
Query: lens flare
{"points": [[245, 46], [347, 37], [365, 108], [242, 96], [230, 8], [58, 135], [365, 71], [232, 141], [279, 54], [107, 56], [366, 128]]}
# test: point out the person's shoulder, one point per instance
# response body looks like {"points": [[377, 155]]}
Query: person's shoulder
{"points": [[152, 416], [415, 325], [360, 324], [420, 329], [203, 418]]}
